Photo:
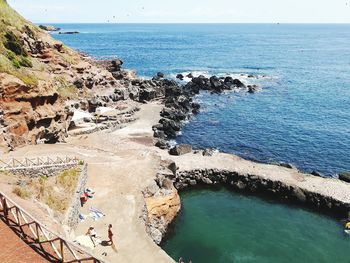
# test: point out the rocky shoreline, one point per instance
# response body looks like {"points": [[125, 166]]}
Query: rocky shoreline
{"points": [[162, 201]]}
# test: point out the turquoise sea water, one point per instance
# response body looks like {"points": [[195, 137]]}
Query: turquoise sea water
{"points": [[302, 115], [226, 227]]}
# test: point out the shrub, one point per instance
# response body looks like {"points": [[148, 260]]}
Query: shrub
{"points": [[25, 62], [16, 63], [68, 178], [21, 192], [14, 44]]}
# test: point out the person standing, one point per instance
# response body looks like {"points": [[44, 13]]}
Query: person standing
{"points": [[110, 235]]}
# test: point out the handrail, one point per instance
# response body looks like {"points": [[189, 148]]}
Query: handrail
{"points": [[37, 162], [40, 235]]}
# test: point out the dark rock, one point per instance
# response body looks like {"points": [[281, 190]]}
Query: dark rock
{"points": [[200, 80], [160, 75], [117, 62], [69, 33], [195, 107], [180, 76], [238, 83], [208, 152], [159, 134], [190, 76], [288, 165], [315, 173], [299, 194], [184, 101], [345, 177], [79, 83], [252, 88], [228, 80], [180, 149], [162, 144], [216, 84], [147, 94], [172, 167], [157, 127], [173, 114], [170, 127], [172, 91], [117, 75]]}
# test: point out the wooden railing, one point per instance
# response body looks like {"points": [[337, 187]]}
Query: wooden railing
{"points": [[49, 244], [37, 162]]}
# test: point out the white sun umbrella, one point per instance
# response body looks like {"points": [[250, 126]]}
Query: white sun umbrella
{"points": [[106, 111], [79, 115]]}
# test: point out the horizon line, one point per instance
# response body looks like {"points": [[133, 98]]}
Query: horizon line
{"points": [[204, 23]]}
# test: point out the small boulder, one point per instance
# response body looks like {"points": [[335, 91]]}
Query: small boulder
{"points": [[206, 180], [315, 173], [156, 235], [180, 76], [190, 76], [238, 83], [172, 167], [180, 149], [208, 152], [345, 177], [162, 144], [288, 165]]}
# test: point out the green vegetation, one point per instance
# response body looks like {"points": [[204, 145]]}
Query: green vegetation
{"points": [[13, 57], [56, 191], [68, 179], [19, 61], [13, 43]]}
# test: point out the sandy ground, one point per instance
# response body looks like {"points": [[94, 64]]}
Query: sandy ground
{"points": [[122, 163]]}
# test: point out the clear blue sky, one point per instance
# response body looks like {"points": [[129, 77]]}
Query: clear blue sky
{"points": [[182, 11]]}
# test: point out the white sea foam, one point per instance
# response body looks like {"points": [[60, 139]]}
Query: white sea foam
{"points": [[245, 77]]}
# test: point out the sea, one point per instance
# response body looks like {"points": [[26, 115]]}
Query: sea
{"points": [[300, 115]]}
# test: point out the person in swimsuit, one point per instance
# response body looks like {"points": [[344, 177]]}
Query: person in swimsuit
{"points": [[92, 234], [110, 234]]}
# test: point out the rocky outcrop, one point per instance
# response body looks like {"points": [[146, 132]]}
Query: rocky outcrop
{"points": [[30, 113], [162, 210], [162, 202], [179, 104], [42, 81]]}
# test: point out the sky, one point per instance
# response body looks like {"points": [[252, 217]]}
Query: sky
{"points": [[184, 11]]}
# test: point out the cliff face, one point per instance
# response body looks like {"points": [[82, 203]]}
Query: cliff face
{"points": [[38, 75]]}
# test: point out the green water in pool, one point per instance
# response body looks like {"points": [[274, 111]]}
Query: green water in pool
{"points": [[224, 226]]}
